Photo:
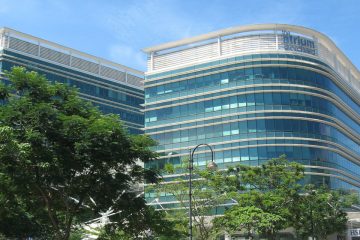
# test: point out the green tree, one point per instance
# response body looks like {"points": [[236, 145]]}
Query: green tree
{"points": [[114, 235], [270, 189], [135, 223], [205, 199], [319, 213], [348, 198], [277, 174], [249, 219], [62, 161]]}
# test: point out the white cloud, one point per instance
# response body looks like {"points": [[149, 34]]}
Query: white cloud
{"points": [[15, 7], [155, 19], [143, 23], [160, 21], [140, 24], [125, 54], [3, 7]]}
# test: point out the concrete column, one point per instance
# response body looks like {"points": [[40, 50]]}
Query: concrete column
{"points": [[219, 46], [151, 61]]}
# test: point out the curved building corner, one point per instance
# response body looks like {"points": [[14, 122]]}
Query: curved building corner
{"points": [[254, 93]]}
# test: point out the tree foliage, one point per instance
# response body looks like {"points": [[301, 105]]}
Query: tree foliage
{"points": [[205, 199], [250, 219], [268, 190], [62, 162], [269, 198], [260, 200], [319, 213]]}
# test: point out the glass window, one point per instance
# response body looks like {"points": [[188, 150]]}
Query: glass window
{"points": [[260, 125], [287, 125], [257, 73], [285, 99], [233, 102], [226, 130], [217, 104], [270, 125], [268, 98], [225, 103], [227, 156], [241, 100], [251, 126], [243, 127], [249, 73], [208, 106], [259, 99], [283, 73], [244, 153], [279, 125], [253, 154], [224, 81], [250, 99], [276, 98]]}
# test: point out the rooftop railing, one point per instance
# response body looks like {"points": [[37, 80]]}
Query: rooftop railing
{"points": [[51, 52]]}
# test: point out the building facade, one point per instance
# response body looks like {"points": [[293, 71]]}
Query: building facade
{"points": [[254, 93], [112, 87]]}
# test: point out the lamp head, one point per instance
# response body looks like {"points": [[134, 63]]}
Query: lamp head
{"points": [[212, 166]]}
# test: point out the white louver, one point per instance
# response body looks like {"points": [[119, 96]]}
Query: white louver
{"points": [[54, 56], [23, 46], [112, 73], [84, 65], [187, 55], [238, 45], [133, 80]]}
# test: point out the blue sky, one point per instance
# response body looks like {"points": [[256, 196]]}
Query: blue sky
{"points": [[117, 29]]}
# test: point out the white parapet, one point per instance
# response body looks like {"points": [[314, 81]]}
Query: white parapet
{"points": [[252, 39]]}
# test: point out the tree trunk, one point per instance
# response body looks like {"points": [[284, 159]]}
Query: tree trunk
{"points": [[250, 235], [271, 235]]}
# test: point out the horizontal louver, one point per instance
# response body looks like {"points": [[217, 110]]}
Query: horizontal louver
{"points": [[185, 56], [23, 46], [134, 80], [55, 56], [112, 73], [248, 44], [84, 65]]}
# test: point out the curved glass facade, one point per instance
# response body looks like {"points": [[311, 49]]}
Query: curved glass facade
{"points": [[254, 107]]}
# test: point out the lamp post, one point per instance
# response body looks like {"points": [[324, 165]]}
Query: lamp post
{"points": [[311, 195], [211, 166], [313, 192]]}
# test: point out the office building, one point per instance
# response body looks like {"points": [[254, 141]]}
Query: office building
{"points": [[112, 87], [254, 93]]}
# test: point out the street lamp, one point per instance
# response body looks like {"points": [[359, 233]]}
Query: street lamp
{"points": [[313, 192], [211, 166], [311, 195]]}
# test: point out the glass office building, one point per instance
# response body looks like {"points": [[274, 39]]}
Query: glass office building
{"points": [[112, 87], [254, 93]]}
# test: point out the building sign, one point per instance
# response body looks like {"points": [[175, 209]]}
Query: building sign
{"points": [[298, 43], [354, 233]]}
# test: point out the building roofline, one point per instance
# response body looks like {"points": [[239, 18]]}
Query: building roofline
{"points": [[256, 27], [9, 31], [225, 32]]}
